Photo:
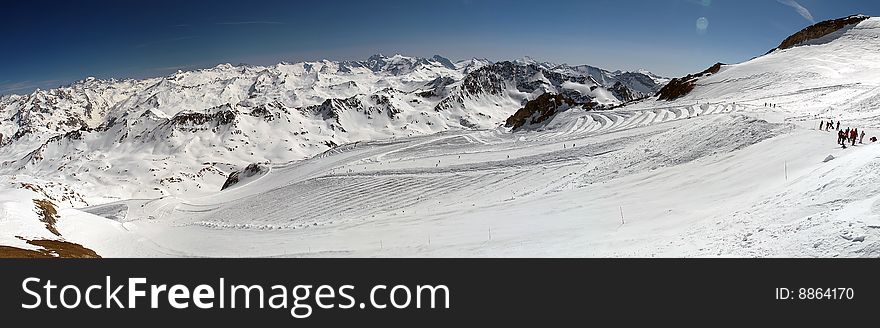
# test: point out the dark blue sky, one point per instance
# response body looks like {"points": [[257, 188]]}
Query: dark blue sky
{"points": [[49, 43]]}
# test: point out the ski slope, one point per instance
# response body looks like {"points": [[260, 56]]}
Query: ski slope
{"points": [[555, 192], [716, 173], [834, 77]]}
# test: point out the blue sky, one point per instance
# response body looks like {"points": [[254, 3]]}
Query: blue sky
{"points": [[47, 44]]}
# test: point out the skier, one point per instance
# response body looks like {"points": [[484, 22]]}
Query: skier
{"points": [[853, 135], [839, 137], [862, 137], [830, 124], [821, 125], [838, 125]]}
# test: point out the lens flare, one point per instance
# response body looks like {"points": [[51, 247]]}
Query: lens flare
{"points": [[702, 25]]}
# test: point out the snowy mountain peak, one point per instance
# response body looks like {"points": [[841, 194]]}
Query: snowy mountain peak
{"points": [[526, 60], [443, 61], [192, 128], [394, 65]]}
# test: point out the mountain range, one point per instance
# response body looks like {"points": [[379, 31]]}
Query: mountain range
{"points": [[188, 131], [407, 156]]}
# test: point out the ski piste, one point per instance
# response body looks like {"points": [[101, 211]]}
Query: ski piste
{"points": [[363, 170]]}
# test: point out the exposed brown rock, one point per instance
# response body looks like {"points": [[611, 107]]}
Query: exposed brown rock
{"points": [[538, 110], [680, 87], [819, 30], [50, 249], [48, 214]]}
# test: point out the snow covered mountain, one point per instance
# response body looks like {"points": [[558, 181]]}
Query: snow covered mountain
{"points": [[186, 132], [402, 156], [828, 69]]}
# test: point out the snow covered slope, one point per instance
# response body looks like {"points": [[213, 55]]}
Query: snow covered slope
{"points": [[400, 156], [833, 76], [714, 173], [33, 226], [444, 194], [185, 133]]}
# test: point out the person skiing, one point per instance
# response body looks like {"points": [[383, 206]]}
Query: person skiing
{"points": [[853, 135], [862, 137], [838, 125], [821, 125], [839, 137]]}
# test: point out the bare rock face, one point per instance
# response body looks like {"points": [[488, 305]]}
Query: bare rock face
{"points": [[622, 92], [539, 110], [819, 30], [49, 249], [680, 87], [249, 171]]}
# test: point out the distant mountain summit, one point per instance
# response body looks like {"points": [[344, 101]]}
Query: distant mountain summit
{"points": [[187, 131]]}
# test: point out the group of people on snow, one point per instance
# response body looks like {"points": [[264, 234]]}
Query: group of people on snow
{"points": [[829, 125], [844, 136], [849, 136]]}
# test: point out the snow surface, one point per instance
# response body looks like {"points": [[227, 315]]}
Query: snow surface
{"points": [[107, 140], [715, 173], [557, 192]]}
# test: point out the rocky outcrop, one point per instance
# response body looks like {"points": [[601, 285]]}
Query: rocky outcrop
{"points": [[819, 30], [249, 171], [49, 249], [680, 87], [193, 121], [498, 78], [623, 93], [48, 214], [383, 105], [539, 110], [331, 109]]}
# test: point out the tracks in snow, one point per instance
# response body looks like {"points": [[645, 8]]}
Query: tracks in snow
{"points": [[424, 176]]}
